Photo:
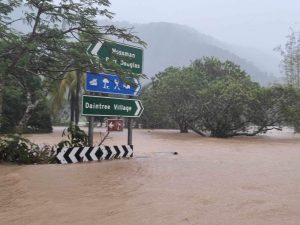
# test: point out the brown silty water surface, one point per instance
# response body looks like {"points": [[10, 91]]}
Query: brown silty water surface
{"points": [[237, 181]]}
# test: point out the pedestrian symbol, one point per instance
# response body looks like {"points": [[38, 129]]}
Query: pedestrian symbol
{"points": [[116, 81]]}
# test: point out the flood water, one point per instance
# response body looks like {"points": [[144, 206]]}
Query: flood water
{"points": [[237, 181]]}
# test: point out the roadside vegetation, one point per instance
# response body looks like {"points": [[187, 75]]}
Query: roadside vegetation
{"points": [[16, 149], [218, 99], [45, 59], [42, 62]]}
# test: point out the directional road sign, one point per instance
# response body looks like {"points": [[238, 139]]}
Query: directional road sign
{"points": [[111, 84], [115, 125], [108, 106], [114, 54]]}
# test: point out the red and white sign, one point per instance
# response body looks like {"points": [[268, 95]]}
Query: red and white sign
{"points": [[115, 125]]}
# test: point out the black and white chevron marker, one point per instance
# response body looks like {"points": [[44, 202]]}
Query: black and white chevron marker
{"points": [[86, 154]]}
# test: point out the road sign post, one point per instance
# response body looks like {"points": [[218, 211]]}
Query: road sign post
{"points": [[129, 129], [114, 55], [91, 131]]}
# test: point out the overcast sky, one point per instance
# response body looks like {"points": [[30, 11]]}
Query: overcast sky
{"points": [[258, 23]]}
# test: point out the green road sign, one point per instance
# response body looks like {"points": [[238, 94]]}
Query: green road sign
{"points": [[114, 54], [108, 106]]}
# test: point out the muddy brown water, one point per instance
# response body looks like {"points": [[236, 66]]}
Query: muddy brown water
{"points": [[238, 181]]}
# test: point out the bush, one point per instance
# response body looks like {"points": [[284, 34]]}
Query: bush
{"points": [[40, 121], [14, 148], [76, 137]]}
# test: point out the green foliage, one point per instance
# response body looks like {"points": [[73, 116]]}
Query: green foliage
{"points": [[290, 63], [14, 106], [76, 137], [217, 98], [291, 107], [154, 115], [72, 86], [226, 96], [14, 148], [225, 107], [60, 32], [56, 38], [40, 121], [169, 99]]}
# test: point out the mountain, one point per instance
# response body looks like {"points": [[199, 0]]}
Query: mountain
{"points": [[264, 61], [171, 44], [177, 45]]}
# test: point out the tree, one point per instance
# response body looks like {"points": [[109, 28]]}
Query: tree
{"points": [[15, 104], [217, 98], [155, 114], [172, 93], [291, 105], [226, 94], [71, 86], [60, 32], [7, 37], [290, 65], [290, 62]]}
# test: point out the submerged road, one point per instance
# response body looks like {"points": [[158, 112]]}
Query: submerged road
{"points": [[238, 181]]}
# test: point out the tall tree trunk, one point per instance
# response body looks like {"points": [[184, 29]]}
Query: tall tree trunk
{"points": [[72, 109], [2, 84], [31, 106], [77, 91]]}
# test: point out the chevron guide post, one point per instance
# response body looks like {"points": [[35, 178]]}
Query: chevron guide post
{"points": [[87, 154]]}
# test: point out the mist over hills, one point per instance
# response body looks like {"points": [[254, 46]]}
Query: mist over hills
{"points": [[171, 44]]}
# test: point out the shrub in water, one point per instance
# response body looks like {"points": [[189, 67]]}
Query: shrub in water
{"points": [[14, 148], [76, 137]]}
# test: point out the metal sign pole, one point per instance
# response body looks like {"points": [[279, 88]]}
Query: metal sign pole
{"points": [[129, 138], [91, 130], [129, 127]]}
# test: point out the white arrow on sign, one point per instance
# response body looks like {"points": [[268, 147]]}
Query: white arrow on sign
{"points": [[130, 151], [104, 153], [111, 125], [82, 154], [72, 155], [139, 108], [96, 48], [93, 154], [60, 155], [122, 152], [113, 153]]}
